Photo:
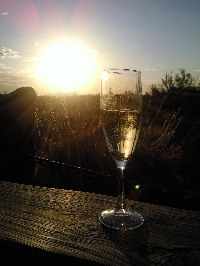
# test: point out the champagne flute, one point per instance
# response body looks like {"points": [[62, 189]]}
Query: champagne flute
{"points": [[120, 112]]}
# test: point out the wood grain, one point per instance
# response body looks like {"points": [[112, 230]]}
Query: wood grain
{"points": [[66, 222]]}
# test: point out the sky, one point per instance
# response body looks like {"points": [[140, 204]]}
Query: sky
{"points": [[58, 46]]}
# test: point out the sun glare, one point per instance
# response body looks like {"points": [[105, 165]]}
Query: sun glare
{"points": [[66, 66], [104, 75]]}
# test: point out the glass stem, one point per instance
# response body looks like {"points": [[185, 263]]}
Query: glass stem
{"points": [[121, 194]]}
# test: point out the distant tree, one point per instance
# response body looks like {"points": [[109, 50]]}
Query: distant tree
{"points": [[184, 80], [176, 81], [167, 81]]}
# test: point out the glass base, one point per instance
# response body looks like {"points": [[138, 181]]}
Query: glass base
{"points": [[121, 219]]}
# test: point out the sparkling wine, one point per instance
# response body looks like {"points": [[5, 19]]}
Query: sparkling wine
{"points": [[121, 111], [121, 130]]}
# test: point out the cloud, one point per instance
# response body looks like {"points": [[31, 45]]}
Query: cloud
{"points": [[4, 14], [6, 72], [4, 68], [11, 78], [7, 52]]}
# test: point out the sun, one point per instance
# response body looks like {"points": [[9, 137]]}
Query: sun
{"points": [[66, 66]]}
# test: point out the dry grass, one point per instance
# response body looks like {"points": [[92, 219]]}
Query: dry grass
{"points": [[68, 130]]}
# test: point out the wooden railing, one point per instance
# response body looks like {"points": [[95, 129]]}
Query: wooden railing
{"points": [[65, 222]]}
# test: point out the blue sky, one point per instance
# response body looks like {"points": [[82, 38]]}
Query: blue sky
{"points": [[153, 36]]}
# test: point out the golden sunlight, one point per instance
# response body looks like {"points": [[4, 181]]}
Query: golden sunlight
{"points": [[66, 66]]}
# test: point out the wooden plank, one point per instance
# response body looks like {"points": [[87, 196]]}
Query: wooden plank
{"points": [[66, 222]]}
